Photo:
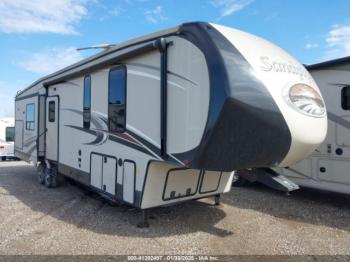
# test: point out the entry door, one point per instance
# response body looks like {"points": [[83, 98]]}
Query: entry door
{"points": [[52, 114]]}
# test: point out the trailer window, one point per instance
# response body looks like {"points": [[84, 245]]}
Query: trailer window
{"points": [[52, 112], [10, 134], [30, 116], [345, 98], [87, 102], [117, 99]]}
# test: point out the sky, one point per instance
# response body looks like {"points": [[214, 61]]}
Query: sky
{"points": [[39, 37]]}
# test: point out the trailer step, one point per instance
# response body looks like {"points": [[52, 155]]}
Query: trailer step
{"points": [[269, 178]]}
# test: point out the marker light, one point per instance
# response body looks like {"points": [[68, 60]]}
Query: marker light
{"points": [[306, 100]]}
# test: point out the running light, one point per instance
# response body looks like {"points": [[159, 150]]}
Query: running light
{"points": [[306, 100]]}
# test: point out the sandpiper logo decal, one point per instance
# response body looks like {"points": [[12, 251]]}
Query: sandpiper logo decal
{"points": [[269, 65], [305, 99]]}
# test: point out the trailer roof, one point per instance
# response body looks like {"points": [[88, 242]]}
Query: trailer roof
{"points": [[109, 51], [329, 63]]}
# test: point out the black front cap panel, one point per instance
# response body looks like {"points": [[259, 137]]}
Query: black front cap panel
{"points": [[245, 128]]}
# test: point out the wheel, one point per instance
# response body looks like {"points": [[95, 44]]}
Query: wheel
{"points": [[50, 179], [239, 181], [3, 158], [41, 173]]}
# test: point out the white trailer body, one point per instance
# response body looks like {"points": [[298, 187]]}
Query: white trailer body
{"points": [[327, 168], [7, 136], [167, 117]]}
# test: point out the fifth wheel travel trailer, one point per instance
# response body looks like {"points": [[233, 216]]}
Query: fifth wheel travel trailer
{"points": [[328, 166], [167, 117], [7, 136]]}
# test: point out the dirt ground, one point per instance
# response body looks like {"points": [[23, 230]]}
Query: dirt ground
{"points": [[252, 220]]}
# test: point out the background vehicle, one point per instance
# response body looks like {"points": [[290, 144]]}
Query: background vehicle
{"points": [[328, 168], [7, 136]]}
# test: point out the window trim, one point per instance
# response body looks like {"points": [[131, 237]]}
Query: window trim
{"points": [[54, 115], [30, 129], [86, 124], [118, 67]]}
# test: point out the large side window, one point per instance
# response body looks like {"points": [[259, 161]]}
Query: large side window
{"points": [[87, 102], [345, 98], [117, 99], [30, 116], [10, 134]]}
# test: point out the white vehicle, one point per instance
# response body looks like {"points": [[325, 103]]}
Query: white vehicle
{"points": [[328, 166], [167, 117], [7, 136]]}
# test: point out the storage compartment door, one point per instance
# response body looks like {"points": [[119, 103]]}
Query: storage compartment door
{"points": [[334, 171], [181, 183], [109, 174], [210, 181], [129, 172], [96, 171]]}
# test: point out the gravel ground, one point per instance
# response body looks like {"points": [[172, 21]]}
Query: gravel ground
{"points": [[253, 220]]}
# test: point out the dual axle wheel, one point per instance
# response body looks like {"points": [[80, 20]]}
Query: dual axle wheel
{"points": [[47, 177]]}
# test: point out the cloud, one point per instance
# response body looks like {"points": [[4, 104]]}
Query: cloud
{"points": [[338, 42], [51, 60], [37, 16], [113, 12], [155, 15], [310, 46], [7, 96], [229, 7]]}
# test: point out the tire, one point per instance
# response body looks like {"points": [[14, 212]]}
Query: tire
{"points": [[41, 174], [3, 158], [50, 179]]}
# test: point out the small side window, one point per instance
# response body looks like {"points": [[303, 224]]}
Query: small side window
{"points": [[30, 116], [345, 98], [52, 111], [87, 102]]}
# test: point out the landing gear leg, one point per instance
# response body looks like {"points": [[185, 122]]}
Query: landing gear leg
{"points": [[217, 200], [145, 216]]}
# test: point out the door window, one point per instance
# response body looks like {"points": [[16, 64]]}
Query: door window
{"points": [[52, 111]]}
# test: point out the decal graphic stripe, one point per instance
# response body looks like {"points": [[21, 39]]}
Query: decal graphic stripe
{"points": [[339, 120], [100, 121], [114, 139]]}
